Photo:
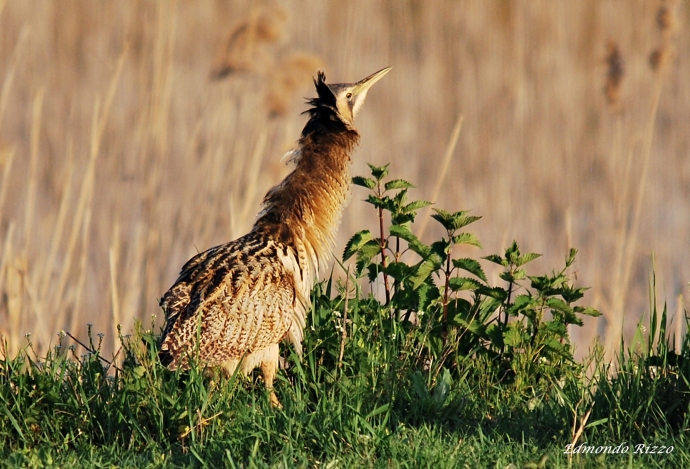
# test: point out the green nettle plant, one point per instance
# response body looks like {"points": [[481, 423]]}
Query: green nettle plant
{"points": [[442, 306]]}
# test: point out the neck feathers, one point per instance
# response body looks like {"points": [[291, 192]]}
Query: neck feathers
{"points": [[304, 210]]}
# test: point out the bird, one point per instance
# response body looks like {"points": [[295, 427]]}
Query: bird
{"points": [[233, 304]]}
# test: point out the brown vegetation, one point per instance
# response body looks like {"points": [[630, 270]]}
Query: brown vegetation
{"points": [[120, 158]]}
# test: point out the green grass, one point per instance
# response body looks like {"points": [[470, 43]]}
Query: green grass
{"points": [[69, 411], [483, 376]]}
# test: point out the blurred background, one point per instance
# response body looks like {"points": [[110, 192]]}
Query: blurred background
{"points": [[134, 134]]}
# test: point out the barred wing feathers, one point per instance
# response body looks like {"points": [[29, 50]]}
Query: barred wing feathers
{"points": [[232, 300]]}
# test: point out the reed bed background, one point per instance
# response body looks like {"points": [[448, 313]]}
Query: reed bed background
{"points": [[134, 134]]}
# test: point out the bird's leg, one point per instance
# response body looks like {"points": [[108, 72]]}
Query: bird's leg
{"points": [[268, 368]]}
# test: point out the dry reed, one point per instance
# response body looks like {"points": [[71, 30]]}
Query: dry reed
{"points": [[614, 74], [130, 160]]}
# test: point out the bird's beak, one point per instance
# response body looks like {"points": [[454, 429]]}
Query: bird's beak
{"points": [[362, 86]]}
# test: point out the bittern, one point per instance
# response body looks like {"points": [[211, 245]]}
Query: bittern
{"points": [[233, 304]]}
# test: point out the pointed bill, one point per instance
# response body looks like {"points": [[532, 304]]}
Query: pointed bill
{"points": [[363, 86]]}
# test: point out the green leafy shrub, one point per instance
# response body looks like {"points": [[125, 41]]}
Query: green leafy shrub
{"points": [[440, 309]]}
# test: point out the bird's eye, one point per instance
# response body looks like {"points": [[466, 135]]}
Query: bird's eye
{"points": [[348, 96]]}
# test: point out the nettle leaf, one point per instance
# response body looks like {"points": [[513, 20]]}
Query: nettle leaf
{"points": [[506, 276], [398, 270], [520, 274], [388, 204], [397, 184], [355, 243], [453, 221], [512, 252], [424, 296], [467, 238], [553, 345], [566, 313], [463, 283], [472, 324], [369, 249], [366, 253], [414, 206], [400, 198], [495, 335], [512, 276], [529, 257], [402, 218], [378, 202], [571, 295], [571, 257], [460, 220], [379, 172], [441, 248], [577, 321], [419, 385], [497, 293], [364, 182], [556, 327], [548, 285], [442, 388], [488, 305], [443, 217], [442, 214], [403, 232], [513, 337], [559, 305], [531, 314], [373, 270], [589, 311], [422, 271], [470, 265], [496, 259], [521, 303]]}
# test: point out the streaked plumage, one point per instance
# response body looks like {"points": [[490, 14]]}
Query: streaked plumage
{"points": [[235, 302]]}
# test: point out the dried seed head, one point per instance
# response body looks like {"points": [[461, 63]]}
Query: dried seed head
{"points": [[665, 19], [615, 73], [658, 58], [270, 24], [666, 23], [245, 49]]}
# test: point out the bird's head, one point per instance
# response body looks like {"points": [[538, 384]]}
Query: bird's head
{"points": [[345, 99]]}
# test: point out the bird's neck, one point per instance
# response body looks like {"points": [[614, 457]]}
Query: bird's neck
{"points": [[305, 209]]}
